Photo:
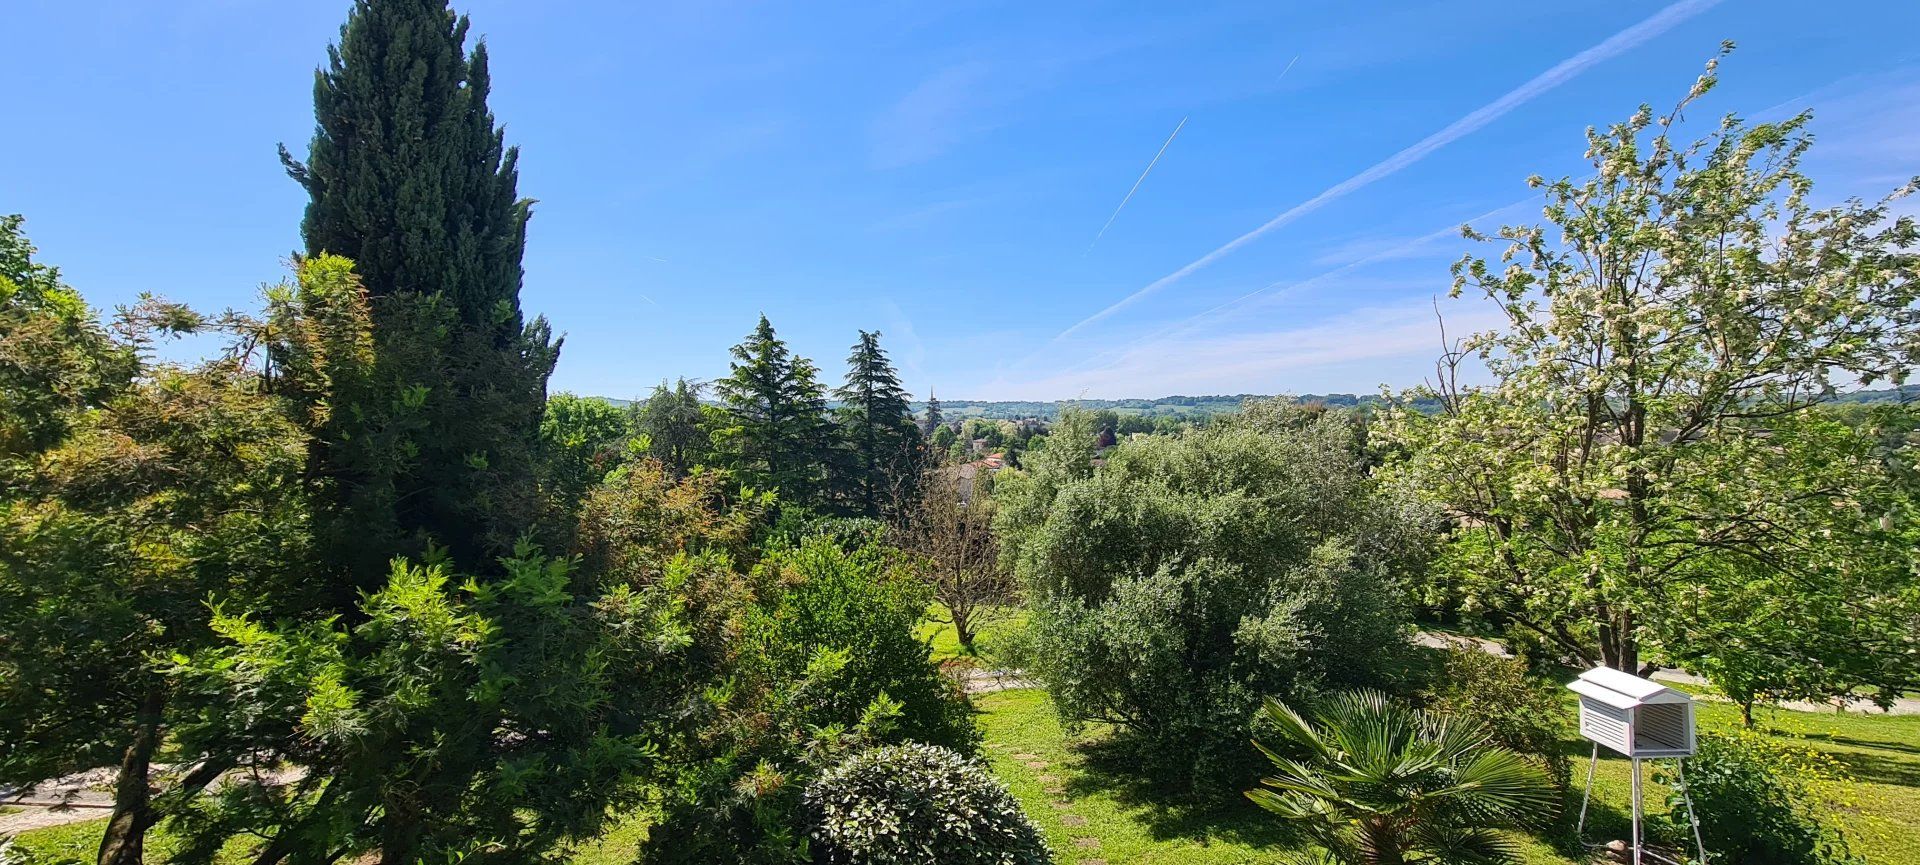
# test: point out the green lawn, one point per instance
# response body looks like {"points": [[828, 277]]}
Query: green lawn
{"points": [[946, 642], [80, 843], [1128, 824]]}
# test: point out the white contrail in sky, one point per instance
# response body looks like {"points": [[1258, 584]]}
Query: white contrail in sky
{"points": [[1615, 45], [1136, 184], [1177, 332]]}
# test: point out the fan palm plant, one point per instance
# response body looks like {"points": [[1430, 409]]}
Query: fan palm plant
{"points": [[1375, 781]]}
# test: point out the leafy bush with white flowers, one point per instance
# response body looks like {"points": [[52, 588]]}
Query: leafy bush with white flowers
{"points": [[920, 804]]}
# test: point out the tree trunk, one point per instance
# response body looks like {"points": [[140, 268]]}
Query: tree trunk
{"points": [[124, 841], [963, 626], [399, 832]]}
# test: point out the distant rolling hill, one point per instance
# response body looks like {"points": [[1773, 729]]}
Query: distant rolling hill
{"points": [[1201, 406]]}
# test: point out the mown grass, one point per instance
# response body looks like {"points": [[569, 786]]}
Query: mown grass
{"points": [[994, 626], [1131, 822], [80, 842]]}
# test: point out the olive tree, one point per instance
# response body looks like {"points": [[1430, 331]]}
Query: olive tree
{"points": [[1192, 575]]}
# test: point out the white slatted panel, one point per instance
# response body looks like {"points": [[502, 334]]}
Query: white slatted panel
{"points": [[1661, 728], [1604, 724]]}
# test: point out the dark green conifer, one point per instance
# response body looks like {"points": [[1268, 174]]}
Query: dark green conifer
{"points": [[777, 436], [409, 176], [877, 426], [407, 173]]}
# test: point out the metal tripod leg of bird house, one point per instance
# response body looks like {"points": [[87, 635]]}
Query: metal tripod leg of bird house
{"points": [[1636, 811], [1686, 796], [1586, 793], [1699, 841]]}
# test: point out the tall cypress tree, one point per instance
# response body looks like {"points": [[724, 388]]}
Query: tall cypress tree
{"points": [[778, 436], [409, 176], [877, 426]]}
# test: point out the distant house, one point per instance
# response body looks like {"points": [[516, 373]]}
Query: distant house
{"points": [[967, 474], [979, 445]]}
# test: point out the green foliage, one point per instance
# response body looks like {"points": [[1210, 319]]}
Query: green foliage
{"points": [[882, 443], [1193, 574], [776, 434], [581, 439], [1756, 803], [409, 176], [180, 488], [634, 524], [866, 604], [1374, 781], [1647, 463], [1523, 714], [55, 359], [508, 715], [931, 419], [822, 659], [407, 172], [674, 426], [911, 804]]}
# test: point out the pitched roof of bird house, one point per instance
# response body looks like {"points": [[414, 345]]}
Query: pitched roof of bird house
{"points": [[1623, 690]]}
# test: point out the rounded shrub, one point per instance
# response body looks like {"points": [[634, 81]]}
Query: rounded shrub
{"points": [[919, 804]]}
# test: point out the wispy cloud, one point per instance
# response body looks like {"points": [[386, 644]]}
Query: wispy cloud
{"points": [[1142, 179], [1172, 338], [903, 343], [930, 118], [1562, 72], [1399, 345]]}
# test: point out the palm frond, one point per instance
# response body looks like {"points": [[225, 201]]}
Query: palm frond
{"points": [[1294, 728], [1499, 784], [1454, 845]]}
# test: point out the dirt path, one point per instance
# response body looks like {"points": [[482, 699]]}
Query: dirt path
{"points": [[985, 681], [71, 799], [1901, 705], [79, 797]]}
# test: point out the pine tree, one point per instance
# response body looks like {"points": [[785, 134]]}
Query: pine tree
{"points": [[777, 435], [877, 425], [409, 176]]}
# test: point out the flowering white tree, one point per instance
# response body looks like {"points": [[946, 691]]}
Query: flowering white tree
{"points": [[1652, 465]]}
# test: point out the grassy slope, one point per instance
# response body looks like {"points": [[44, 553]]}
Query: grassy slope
{"points": [[1131, 825]]}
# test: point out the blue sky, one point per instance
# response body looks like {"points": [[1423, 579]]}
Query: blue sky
{"points": [[939, 171]]}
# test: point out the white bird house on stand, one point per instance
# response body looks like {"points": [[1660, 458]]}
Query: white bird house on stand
{"points": [[1640, 720], [1633, 716]]}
